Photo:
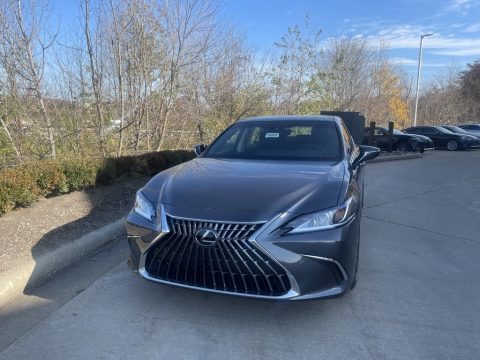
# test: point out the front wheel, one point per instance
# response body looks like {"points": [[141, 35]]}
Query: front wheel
{"points": [[452, 145], [404, 146]]}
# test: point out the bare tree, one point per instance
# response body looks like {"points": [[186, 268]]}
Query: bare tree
{"points": [[189, 27], [23, 36], [295, 75], [95, 72], [346, 64]]}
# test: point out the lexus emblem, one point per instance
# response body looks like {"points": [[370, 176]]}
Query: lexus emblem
{"points": [[206, 237]]}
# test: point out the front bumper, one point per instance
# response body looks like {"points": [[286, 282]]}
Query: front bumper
{"points": [[422, 146], [474, 144], [318, 264]]}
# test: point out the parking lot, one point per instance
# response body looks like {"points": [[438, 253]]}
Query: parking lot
{"points": [[418, 295]]}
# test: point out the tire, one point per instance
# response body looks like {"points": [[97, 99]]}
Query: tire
{"points": [[452, 145], [404, 146]]}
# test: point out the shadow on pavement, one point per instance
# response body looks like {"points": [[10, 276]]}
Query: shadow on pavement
{"points": [[102, 206], [108, 204]]}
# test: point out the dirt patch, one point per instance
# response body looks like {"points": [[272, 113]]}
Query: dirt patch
{"points": [[51, 222]]}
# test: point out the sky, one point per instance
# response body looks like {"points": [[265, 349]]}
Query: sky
{"points": [[455, 25]]}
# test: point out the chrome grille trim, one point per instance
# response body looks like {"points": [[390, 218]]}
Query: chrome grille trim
{"points": [[213, 221], [234, 265]]}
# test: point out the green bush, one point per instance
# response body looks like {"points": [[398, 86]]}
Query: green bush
{"points": [[49, 177], [23, 185], [80, 173], [17, 188]]}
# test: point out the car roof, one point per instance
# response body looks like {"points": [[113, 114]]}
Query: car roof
{"points": [[421, 127], [328, 118]]}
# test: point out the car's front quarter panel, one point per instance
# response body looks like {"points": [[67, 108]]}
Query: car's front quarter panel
{"points": [[321, 262], [140, 234]]}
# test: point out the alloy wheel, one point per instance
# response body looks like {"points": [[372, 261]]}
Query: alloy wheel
{"points": [[452, 145], [402, 147]]}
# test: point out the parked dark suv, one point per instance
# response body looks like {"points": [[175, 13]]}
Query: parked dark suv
{"points": [[443, 138], [400, 141], [271, 209]]}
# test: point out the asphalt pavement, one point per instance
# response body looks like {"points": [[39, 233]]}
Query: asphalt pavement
{"points": [[418, 295]]}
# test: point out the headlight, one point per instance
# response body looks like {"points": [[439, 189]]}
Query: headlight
{"points": [[326, 219], [144, 207]]}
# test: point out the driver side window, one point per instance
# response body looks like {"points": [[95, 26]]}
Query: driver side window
{"points": [[232, 141], [253, 137], [352, 149], [347, 138]]}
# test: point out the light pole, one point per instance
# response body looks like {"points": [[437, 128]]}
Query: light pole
{"points": [[418, 77]]}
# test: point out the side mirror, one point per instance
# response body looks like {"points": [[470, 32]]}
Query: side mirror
{"points": [[366, 153], [198, 149]]}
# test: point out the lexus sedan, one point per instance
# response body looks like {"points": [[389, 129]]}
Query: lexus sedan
{"points": [[459, 130], [271, 209], [443, 138], [473, 129], [400, 141]]}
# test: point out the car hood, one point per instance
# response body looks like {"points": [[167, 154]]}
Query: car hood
{"points": [[472, 137], [207, 188], [460, 136]]}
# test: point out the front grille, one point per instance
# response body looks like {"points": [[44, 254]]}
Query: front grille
{"points": [[233, 264]]}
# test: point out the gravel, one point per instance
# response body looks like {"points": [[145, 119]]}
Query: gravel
{"points": [[51, 222]]}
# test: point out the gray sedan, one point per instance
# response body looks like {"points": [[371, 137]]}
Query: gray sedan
{"points": [[271, 209]]}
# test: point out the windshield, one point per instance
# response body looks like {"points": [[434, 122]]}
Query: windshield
{"points": [[279, 140], [397, 132]]}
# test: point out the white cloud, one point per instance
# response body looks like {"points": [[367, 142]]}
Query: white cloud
{"points": [[403, 61], [455, 26], [459, 4], [413, 62], [472, 28], [459, 52], [462, 6], [408, 37]]}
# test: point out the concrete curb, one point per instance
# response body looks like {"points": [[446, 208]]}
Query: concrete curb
{"points": [[395, 157], [35, 271]]}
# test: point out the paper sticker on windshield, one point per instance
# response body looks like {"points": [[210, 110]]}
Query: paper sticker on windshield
{"points": [[272, 135]]}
